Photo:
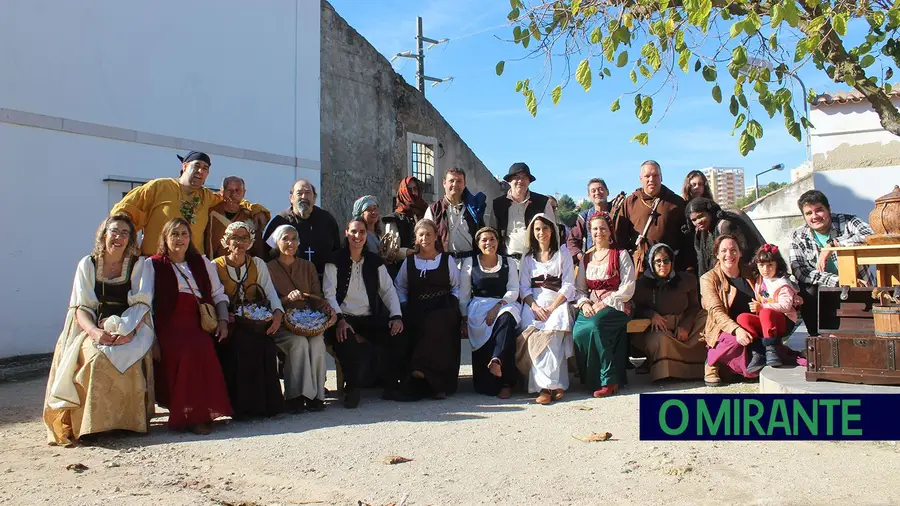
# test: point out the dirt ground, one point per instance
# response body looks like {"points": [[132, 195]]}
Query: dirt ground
{"points": [[468, 449]]}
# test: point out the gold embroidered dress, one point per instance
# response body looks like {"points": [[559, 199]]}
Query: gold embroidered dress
{"points": [[97, 388]]}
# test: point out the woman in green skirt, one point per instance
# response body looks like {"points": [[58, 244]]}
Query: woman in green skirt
{"points": [[605, 284]]}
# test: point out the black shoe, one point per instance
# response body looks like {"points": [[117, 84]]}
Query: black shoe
{"points": [[395, 394], [757, 362], [772, 358], [315, 404], [351, 398], [294, 406]]}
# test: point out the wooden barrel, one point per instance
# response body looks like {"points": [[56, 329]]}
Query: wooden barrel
{"points": [[887, 320]]}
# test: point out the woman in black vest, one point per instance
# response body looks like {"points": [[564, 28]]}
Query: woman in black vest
{"points": [[360, 290], [488, 300], [428, 283]]}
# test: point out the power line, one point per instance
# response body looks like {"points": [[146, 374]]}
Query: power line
{"points": [[420, 57]]}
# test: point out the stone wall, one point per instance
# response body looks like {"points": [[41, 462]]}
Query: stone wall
{"points": [[369, 113]]}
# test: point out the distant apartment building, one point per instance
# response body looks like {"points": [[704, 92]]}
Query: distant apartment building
{"points": [[725, 183]]}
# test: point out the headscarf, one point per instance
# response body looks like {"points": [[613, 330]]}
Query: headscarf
{"points": [[406, 204], [195, 155], [278, 233], [230, 230], [651, 269], [362, 204]]}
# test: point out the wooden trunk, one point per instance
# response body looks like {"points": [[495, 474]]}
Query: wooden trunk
{"points": [[853, 358], [844, 310]]}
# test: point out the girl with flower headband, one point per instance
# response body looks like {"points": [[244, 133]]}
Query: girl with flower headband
{"points": [[774, 313]]}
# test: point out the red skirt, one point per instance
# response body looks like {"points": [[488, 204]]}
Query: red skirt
{"points": [[189, 379]]}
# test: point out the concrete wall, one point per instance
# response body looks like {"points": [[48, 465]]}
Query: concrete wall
{"points": [[849, 136], [369, 116], [109, 88], [776, 214]]}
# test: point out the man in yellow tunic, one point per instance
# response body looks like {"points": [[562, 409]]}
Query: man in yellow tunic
{"points": [[157, 201]]}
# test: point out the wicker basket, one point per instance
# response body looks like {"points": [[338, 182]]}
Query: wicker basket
{"points": [[325, 308], [249, 324]]}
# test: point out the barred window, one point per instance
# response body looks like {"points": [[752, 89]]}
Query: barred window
{"points": [[422, 158]]}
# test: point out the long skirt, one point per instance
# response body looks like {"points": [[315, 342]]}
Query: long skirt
{"points": [[434, 340], [670, 358], [189, 379], [250, 365], [601, 347], [502, 345], [109, 400], [734, 357], [543, 355], [304, 365]]}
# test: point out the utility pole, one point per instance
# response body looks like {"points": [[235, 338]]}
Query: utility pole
{"points": [[420, 57]]}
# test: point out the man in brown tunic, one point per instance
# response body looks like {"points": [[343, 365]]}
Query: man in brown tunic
{"points": [[226, 213], [667, 220]]}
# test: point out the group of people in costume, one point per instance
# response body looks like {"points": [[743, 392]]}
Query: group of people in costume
{"points": [[153, 321]]}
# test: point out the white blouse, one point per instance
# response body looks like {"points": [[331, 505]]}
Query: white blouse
{"points": [[423, 266], [262, 279], [356, 302], [597, 271], [465, 281], [218, 291]]}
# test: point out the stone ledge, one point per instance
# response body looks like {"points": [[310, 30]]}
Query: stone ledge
{"points": [[25, 367], [793, 381]]}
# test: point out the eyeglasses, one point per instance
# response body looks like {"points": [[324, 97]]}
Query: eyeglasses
{"points": [[662, 261], [119, 233]]}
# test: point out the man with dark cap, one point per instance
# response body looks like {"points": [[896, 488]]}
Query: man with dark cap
{"points": [[157, 201], [511, 213], [317, 229]]}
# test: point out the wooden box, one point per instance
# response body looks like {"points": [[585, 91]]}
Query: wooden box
{"points": [[845, 310], [853, 358]]}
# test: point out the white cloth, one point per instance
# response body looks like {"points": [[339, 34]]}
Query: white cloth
{"points": [[597, 271], [356, 302], [423, 266], [63, 393], [560, 265], [477, 308], [517, 227], [551, 369], [460, 237], [218, 291], [262, 279]]}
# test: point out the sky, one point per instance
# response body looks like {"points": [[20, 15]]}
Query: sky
{"points": [[580, 138]]}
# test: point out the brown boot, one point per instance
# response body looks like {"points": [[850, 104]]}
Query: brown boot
{"points": [[711, 375], [544, 398]]}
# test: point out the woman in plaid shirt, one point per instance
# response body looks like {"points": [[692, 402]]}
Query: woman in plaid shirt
{"points": [[814, 268]]}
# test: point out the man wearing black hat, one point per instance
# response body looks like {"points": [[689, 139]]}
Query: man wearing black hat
{"points": [[513, 212], [157, 201]]}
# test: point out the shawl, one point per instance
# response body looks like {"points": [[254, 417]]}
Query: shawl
{"points": [[406, 203]]}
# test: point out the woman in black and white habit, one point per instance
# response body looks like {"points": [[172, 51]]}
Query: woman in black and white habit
{"points": [[546, 285], [488, 301]]}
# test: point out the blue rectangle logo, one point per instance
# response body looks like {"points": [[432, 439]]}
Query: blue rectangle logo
{"points": [[739, 417]]}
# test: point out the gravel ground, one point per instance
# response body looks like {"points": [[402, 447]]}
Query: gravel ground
{"points": [[468, 449]]}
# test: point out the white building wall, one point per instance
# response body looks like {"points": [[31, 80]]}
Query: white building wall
{"points": [[851, 123], [140, 82]]}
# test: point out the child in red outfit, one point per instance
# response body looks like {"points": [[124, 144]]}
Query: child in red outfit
{"points": [[775, 313]]}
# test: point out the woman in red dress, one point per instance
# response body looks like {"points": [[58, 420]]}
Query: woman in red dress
{"points": [[189, 380]]}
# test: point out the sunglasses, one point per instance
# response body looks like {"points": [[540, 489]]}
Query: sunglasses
{"points": [[662, 261]]}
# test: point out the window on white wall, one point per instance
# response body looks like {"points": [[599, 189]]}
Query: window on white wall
{"points": [[119, 186], [422, 163]]}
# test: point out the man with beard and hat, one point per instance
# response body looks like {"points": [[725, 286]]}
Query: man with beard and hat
{"points": [[157, 201], [317, 229], [226, 213], [511, 213], [458, 215], [650, 215]]}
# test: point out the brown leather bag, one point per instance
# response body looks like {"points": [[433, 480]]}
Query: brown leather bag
{"points": [[208, 320]]}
